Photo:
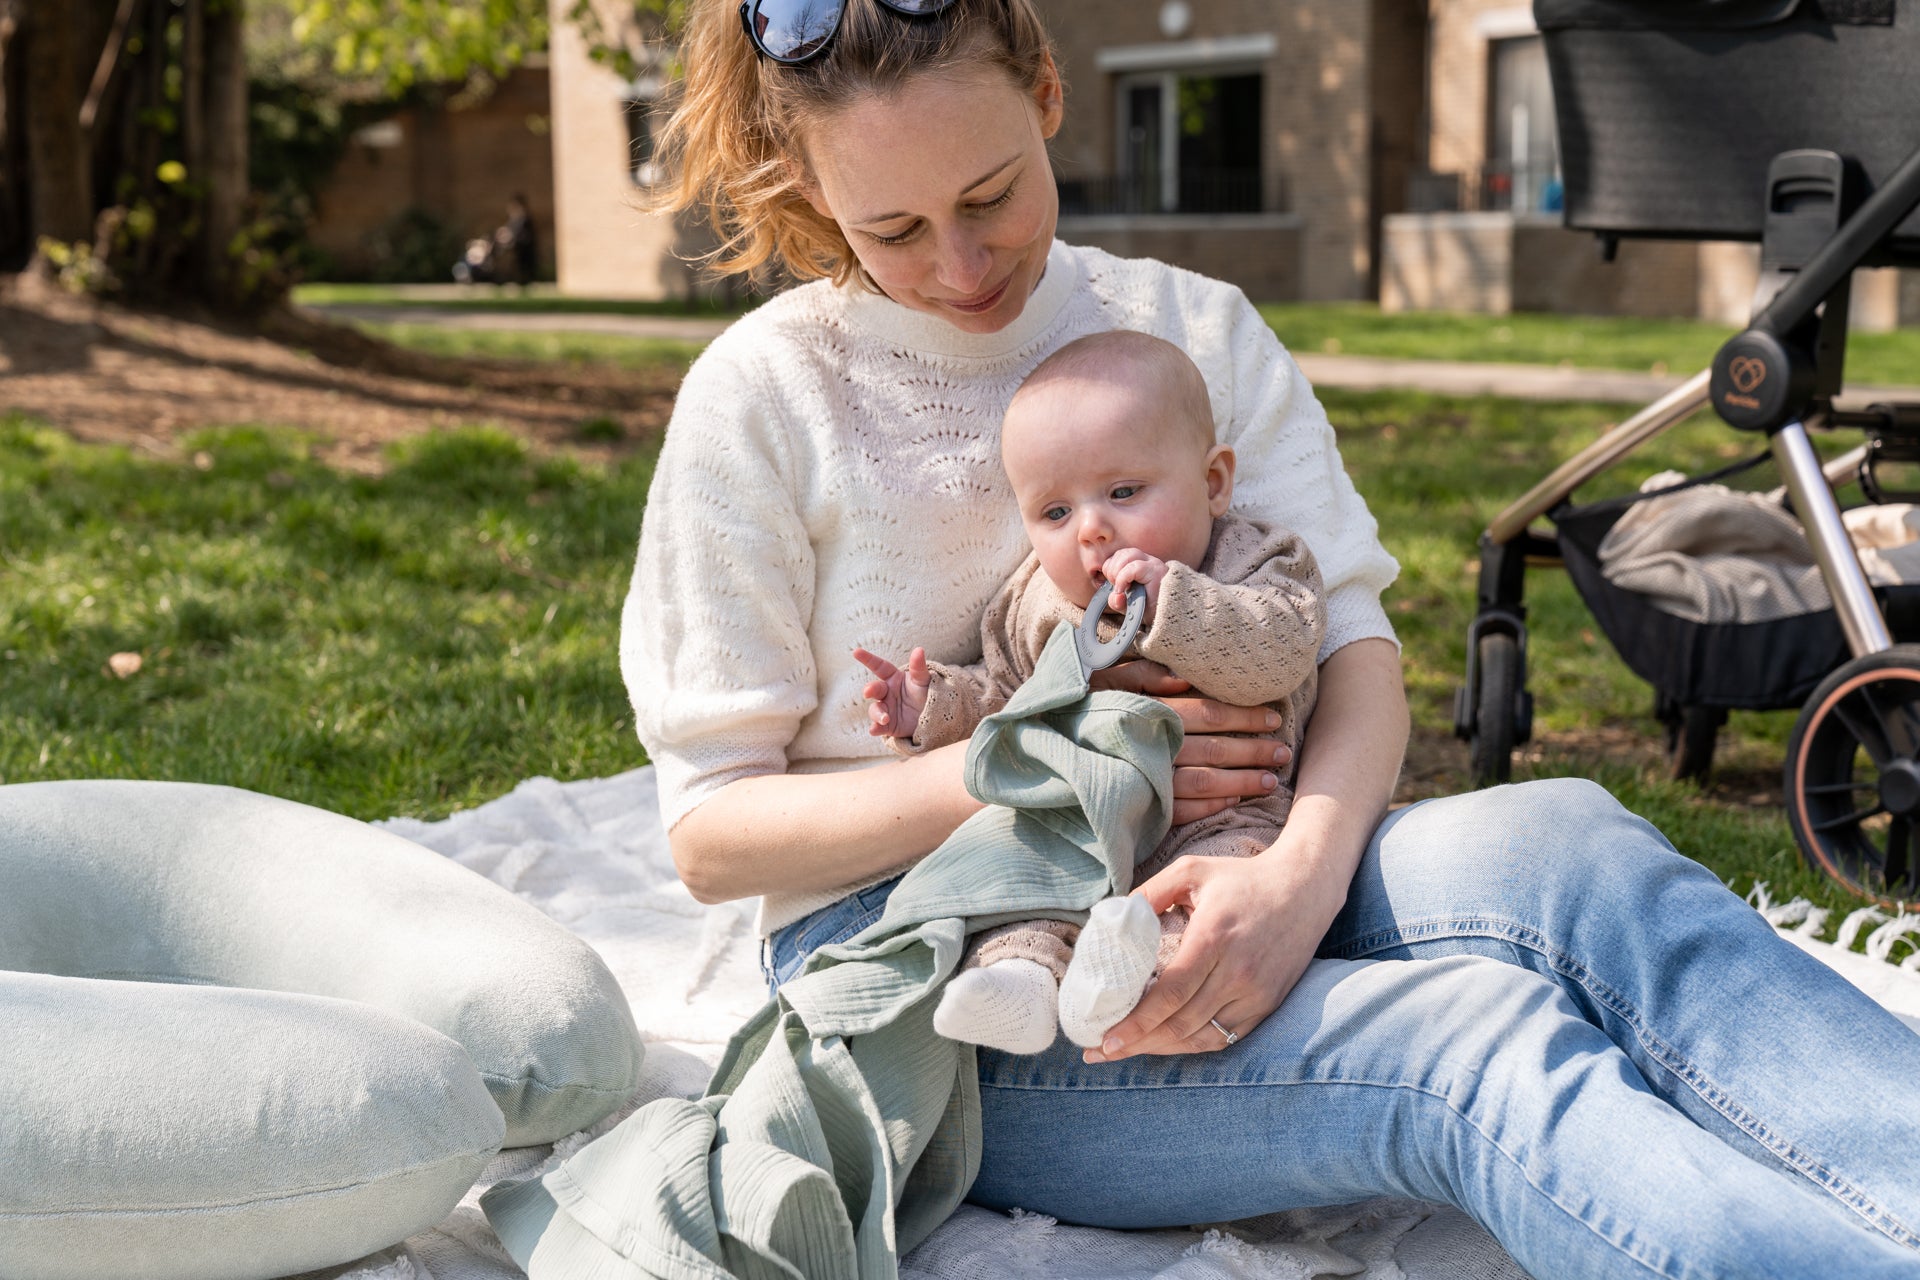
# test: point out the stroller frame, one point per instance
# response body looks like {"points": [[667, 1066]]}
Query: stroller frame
{"points": [[1795, 343]]}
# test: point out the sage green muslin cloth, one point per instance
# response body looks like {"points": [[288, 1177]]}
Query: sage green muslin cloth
{"points": [[839, 1129]]}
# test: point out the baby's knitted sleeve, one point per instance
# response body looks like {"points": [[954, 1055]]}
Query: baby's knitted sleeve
{"points": [[1251, 634], [958, 699], [1289, 474], [713, 637]]}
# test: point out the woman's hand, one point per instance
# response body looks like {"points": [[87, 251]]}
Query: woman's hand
{"points": [[1218, 766], [1257, 921], [1255, 924]]}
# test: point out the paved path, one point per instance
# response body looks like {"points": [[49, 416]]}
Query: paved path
{"points": [[1358, 373], [683, 329]]}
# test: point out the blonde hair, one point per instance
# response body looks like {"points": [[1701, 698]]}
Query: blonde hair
{"points": [[732, 147]]}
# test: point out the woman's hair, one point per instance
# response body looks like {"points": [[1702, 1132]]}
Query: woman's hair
{"points": [[732, 146]]}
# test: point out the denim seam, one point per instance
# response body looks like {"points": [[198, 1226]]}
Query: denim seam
{"points": [[1422, 1091], [1666, 1055]]}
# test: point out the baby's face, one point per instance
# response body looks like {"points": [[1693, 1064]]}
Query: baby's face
{"points": [[1099, 467]]}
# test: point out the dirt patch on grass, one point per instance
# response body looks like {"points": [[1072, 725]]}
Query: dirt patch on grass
{"points": [[1436, 763], [108, 374]]}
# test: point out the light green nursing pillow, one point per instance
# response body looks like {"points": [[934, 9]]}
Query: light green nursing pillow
{"points": [[349, 1026]]}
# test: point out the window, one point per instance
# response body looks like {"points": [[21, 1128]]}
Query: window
{"points": [[1189, 143], [637, 105], [640, 166], [1523, 148]]}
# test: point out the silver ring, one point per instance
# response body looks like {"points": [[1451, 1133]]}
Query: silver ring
{"points": [[1215, 1023]]}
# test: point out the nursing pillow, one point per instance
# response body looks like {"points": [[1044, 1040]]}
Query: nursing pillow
{"points": [[241, 1037]]}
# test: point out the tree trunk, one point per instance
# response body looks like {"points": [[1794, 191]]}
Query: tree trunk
{"points": [[15, 244], [62, 195], [193, 78], [225, 167]]}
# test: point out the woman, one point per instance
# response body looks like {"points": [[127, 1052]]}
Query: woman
{"points": [[1522, 1002]]}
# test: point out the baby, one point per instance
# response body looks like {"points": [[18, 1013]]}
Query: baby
{"points": [[1109, 445]]}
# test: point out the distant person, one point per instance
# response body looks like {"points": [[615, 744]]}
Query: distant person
{"points": [[521, 241]]}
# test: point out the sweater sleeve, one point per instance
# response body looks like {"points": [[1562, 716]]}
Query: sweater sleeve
{"points": [[1250, 639], [1289, 474], [713, 636], [958, 699]]}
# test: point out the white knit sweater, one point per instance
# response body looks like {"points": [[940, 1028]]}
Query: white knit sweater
{"points": [[831, 478]]}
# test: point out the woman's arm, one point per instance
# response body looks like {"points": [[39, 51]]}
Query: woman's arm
{"points": [[799, 831], [1256, 921], [788, 832]]}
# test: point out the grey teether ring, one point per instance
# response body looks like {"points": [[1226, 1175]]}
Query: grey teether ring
{"points": [[1095, 656]]}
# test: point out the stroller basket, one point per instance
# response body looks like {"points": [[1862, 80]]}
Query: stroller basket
{"points": [[1753, 666], [1670, 111]]}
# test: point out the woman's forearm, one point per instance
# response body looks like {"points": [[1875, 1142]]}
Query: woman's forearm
{"points": [[811, 831], [1349, 762]]}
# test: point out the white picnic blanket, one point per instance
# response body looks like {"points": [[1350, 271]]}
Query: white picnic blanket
{"points": [[592, 855]]}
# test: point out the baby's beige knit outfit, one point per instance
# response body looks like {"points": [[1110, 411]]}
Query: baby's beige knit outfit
{"points": [[1244, 627]]}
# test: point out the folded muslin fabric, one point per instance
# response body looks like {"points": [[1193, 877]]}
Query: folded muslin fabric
{"points": [[1708, 553], [839, 1130]]}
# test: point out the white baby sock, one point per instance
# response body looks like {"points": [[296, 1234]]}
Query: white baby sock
{"points": [[1010, 1005], [1111, 964]]}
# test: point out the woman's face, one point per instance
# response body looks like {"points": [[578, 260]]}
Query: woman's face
{"points": [[944, 191]]}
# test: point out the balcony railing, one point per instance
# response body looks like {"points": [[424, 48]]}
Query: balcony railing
{"points": [[1490, 188]]}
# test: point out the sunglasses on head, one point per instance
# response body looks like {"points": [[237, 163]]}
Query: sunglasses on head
{"points": [[796, 31]]}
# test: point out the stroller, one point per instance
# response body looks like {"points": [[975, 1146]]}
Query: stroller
{"points": [[1795, 123]]}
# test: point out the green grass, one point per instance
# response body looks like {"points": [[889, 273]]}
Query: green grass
{"points": [[575, 349], [1605, 342], [412, 643], [1435, 471], [1675, 347], [541, 300], [419, 641]]}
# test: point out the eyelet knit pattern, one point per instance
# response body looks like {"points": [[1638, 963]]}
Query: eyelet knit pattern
{"points": [[831, 478]]}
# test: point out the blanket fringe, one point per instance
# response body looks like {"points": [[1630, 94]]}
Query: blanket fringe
{"points": [[1809, 921]]}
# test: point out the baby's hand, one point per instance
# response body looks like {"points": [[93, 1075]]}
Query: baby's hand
{"points": [[1128, 566], [896, 699]]}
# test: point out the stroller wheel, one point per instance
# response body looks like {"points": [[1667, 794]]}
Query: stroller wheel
{"points": [[1504, 714], [1853, 775]]}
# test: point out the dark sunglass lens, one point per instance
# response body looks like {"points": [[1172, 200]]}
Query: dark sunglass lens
{"points": [[794, 30], [917, 8]]}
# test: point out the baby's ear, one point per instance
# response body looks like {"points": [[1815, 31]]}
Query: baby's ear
{"points": [[1219, 479]]}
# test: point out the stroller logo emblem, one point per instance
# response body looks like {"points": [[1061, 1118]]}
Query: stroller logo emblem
{"points": [[1747, 372]]}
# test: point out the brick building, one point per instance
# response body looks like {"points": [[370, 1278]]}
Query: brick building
{"points": [[456, 162], [1252, 140], [1309, 149], [1484, 233]]}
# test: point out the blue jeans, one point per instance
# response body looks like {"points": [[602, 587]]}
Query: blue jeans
{"points": [[1531, 1008]]}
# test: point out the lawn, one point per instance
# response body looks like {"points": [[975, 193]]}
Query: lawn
{"points": [[1678, 347], [418, 641], [529, 344], [539, 298], [414, 642]]}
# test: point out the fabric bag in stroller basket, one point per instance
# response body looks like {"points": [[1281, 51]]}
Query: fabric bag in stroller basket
{"points": [[1670, 111], [1748, 626]]}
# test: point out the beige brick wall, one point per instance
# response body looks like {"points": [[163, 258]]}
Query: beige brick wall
{"points": [[1314, 101], [1494, 263], [1457, 81], [607, 246], [1561, 271], [1447, 262], [457, 162], [1258, 252]]}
